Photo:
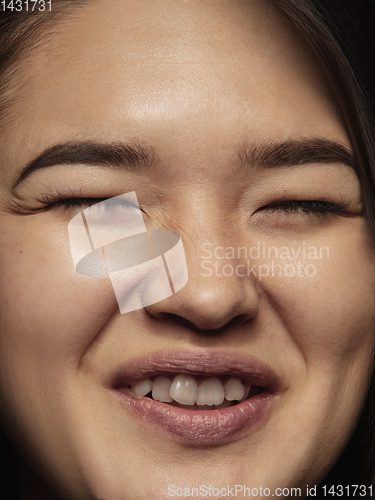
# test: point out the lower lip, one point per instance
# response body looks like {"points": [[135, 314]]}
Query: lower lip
{"points": [[201, 427]]}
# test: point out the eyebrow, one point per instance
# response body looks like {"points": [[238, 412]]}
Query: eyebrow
{"points": [[116, 155], [139, 158], [295, 152]]}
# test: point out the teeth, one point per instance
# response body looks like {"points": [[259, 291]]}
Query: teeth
{"points": [[233, 389], [160, 389], [142, 388], [184, 389], [210, 392], [246, 388]]}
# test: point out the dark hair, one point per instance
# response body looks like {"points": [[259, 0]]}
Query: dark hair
{"points": [[341, 34]]}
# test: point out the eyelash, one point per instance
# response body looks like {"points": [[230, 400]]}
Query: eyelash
{"points": [[315, 207], [57, 200]]}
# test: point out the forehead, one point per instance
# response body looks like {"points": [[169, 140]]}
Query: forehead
{"points": [[157, 69]]}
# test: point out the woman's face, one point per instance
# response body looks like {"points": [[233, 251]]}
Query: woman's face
{"points": [[227, 102]]}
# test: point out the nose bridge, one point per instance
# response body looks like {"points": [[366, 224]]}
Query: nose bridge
{"points": [[211, 247], [216, 292]]}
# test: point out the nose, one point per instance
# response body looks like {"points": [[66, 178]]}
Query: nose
{"points": [[216, 294]]}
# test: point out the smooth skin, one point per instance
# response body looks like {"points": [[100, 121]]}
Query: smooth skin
{"points": [[193, 81]]}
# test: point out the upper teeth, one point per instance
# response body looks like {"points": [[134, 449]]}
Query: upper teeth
{"points": [[161, 389], [210, 392], [184, 389]]}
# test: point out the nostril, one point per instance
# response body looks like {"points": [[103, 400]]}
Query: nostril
{"points": [[177, 319]]}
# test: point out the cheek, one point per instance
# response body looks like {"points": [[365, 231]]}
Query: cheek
{"points": [[327, 337], [49, 317], [330, 315], [49, 313]]}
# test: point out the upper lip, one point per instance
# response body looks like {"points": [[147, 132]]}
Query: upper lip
{"points": [[192, 362]]}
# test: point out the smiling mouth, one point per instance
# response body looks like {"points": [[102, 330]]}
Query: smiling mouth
{"points": [[199, 398], [195, 392]]}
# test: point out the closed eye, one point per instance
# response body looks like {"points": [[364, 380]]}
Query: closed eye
{"points": [[316, 207], [56, 200]]}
